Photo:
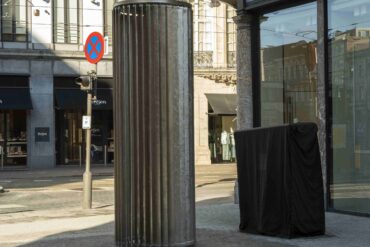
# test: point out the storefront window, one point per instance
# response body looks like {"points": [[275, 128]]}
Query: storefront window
{"points": [[221, 139], [289, 65], [349, 63], [13, 138]]}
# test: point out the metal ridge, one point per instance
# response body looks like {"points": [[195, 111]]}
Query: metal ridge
{"points": [[168, 2]]}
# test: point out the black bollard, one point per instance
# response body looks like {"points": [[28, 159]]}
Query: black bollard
{"points": [[153, 117]]}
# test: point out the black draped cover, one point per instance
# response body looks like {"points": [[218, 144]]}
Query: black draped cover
{"points": [[280, 181]]}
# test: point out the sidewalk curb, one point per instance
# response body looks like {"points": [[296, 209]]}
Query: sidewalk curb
{"points": [[55, 173], [63, 176]]}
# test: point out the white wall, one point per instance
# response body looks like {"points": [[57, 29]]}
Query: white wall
{"points": [[92, 17], [42, 24]]}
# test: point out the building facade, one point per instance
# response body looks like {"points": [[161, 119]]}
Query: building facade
{"points": [[308, 61], [214, 82], [41, 52]]}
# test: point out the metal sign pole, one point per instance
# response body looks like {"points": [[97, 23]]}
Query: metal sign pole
{"points": [[105, 155], [94, 52], [2, 157], [80, 153], [87, 175]]}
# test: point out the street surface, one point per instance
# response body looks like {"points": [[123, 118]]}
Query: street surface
{"points": [[43, 208]]}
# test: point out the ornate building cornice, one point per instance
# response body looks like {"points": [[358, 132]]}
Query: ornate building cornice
{"points": [[222, 75]]}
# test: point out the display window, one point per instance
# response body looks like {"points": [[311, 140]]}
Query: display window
{"points": [[221, 138], [13, 138]]}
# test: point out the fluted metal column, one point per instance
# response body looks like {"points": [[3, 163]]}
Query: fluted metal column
{"points": [[153, 117]]}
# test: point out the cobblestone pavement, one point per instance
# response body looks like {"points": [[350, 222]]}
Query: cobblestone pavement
{"points": [[43, 208]]}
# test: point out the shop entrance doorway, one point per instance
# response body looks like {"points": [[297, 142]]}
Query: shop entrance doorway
{"points": [[70, 144]]}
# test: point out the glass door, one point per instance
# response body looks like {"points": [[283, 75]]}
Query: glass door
{"points": [[289, 65], [70, 137]]}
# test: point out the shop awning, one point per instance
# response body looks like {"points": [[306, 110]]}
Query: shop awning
{"points": [[15, 99], [75, 99], [222, 104]]}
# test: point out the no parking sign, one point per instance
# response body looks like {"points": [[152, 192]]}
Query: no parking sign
{"points": [[94, 47]]}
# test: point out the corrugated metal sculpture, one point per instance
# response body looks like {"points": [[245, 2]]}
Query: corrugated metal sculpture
{"points": [[153, 117]]}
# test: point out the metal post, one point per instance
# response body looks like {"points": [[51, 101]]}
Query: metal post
{"points": [[80, 154], [87, 189], [2, 157], [105, 155]]}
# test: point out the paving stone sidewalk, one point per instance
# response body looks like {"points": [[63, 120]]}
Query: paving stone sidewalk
{"points": [[216, 227]]}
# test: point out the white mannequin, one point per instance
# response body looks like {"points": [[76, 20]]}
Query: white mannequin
{"points": [[232, 142], [225, 141], [224, 138]]}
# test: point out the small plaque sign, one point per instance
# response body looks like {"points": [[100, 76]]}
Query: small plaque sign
{"points": [[42, 134], [86, 122]]}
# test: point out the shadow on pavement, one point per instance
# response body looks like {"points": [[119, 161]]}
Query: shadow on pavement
{"points": [[217, 226], [50, 177]]}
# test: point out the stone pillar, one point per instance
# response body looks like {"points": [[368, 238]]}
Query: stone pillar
{"points": [[244, 23], [153, 118], [201, 128], [322, 77], [41, 154]]}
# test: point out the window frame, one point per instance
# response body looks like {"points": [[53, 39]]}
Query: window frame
{"points": [[66, 17], [13, 23]]}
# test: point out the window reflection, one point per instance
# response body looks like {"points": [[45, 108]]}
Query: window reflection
{"points": [[349, 70], [13, 20], [289, 65]]}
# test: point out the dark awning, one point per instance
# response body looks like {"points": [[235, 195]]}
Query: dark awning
{"points": [[222, 104], [71, 99], [15, 99]]}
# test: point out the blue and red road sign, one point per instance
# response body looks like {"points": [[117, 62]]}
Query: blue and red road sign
{"points": [[94, 47]]}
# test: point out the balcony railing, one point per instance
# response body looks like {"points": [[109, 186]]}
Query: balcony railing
{"points": [[203, 59]]}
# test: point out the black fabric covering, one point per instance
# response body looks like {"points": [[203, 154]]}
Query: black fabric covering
{"points": [[280, 181]]}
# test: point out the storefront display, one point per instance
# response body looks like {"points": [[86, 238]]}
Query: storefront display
{"points": [[13, 138], [221, 126], [15, 101], [221, 139]]}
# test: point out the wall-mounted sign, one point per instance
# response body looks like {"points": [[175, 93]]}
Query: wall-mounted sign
{"points": [[42, 134], [99, 102], [96, 132], [86, 122]]}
